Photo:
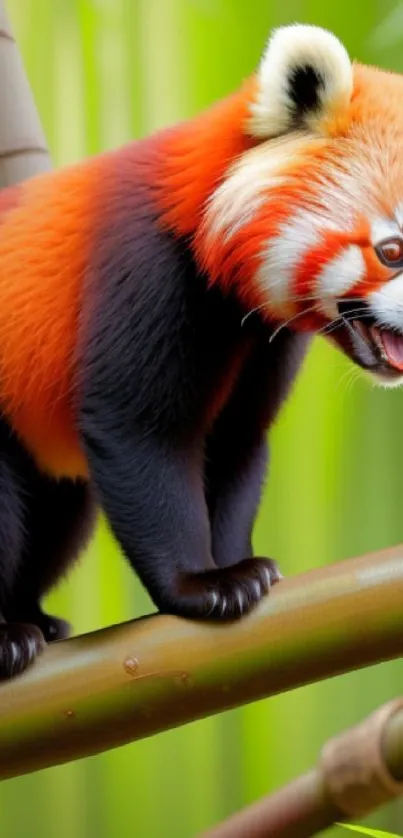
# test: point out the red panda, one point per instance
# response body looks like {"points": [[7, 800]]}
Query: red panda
{"points": [[156, 304]]}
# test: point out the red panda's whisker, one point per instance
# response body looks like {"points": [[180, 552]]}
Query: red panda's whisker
{"points": [[295, 299], [301, 298], [344, 318], [290, 320], [252, 311]]}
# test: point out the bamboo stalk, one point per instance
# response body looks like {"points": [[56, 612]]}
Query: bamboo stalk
{"points": [[298, 810], [102, 690], [358, 771], [23, 149]]}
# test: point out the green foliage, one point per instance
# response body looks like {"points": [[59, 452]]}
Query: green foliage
{"points": [[374, 833], [102, 72]]}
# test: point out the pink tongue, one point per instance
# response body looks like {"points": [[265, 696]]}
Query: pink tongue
{"points": [[393, 346]]}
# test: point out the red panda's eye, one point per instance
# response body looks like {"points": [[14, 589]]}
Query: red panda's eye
{"points": [[391, 252]]}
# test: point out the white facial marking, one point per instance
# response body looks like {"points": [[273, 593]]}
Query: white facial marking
{"points": [[387, 303], [282, 256], [341, 273], [399, 215], [383, 228], [249, 182]]}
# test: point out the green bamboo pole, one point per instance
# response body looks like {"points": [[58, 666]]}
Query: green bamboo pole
{"points": [[102, 690]]}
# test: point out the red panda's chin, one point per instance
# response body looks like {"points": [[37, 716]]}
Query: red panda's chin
{"points": [[377, 351]]}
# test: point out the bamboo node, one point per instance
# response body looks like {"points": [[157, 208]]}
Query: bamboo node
{"points": [[355, 774]]}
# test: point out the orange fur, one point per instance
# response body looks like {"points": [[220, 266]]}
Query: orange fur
{"points": [[44, 245], [47, 229], [376, 128], [196, 157]]}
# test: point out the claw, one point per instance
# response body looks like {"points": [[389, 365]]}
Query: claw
{"points": [[258, 588], [241, 601], [214, 598], [268, 578]]}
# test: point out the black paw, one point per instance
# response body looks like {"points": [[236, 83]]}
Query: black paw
{"points": [[226, 593], [52, 628], [20, 643]]}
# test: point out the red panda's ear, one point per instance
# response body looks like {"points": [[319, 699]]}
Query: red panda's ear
{"points": [[305, 80]]}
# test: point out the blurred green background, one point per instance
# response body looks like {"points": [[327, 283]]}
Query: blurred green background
{"points": [[104, 71]]}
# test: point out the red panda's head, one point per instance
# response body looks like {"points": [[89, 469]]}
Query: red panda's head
{"points": [[309, 219]]}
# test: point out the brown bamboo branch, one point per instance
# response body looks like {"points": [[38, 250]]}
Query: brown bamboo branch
{"points": [[358, 771], [298, 810], [23, 149], [102, 690]]}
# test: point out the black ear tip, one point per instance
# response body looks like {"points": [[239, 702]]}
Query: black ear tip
{"points": [[305, 84]]}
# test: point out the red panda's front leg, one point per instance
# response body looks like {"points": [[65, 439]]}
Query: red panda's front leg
{"points": [[236, 456], [153, 497], [156, 350]]}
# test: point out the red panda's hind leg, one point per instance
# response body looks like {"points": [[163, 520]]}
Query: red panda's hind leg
{"points": [[20, 643], [59, 521]]}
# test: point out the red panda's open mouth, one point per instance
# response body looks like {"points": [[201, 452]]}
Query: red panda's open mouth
{"points": [[387, 344], [375, 348]]}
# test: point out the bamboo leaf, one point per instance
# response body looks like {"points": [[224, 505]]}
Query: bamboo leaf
{"points": [[374, 833]]}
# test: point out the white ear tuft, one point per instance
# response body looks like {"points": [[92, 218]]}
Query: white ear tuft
{"points": [[304, 76]]}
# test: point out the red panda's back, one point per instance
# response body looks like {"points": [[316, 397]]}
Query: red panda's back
{"points": [[45, 240]]}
